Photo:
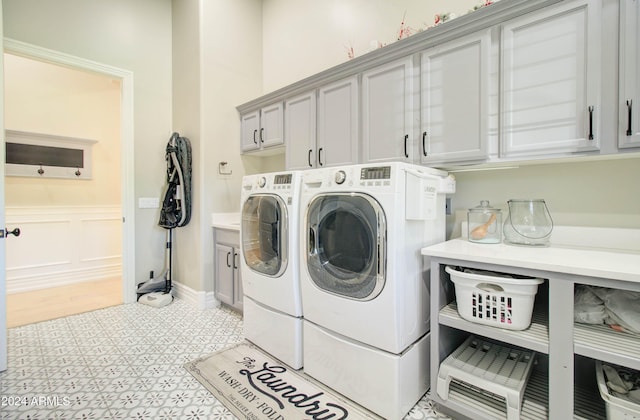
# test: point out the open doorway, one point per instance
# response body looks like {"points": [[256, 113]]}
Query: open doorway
{"points": [[69, 256]]}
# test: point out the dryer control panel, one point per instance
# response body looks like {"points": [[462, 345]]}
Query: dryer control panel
{"points": [[282, 179], [379, 172]]}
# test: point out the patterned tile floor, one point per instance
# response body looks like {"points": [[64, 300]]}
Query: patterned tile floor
{"points": [[123, 362]]}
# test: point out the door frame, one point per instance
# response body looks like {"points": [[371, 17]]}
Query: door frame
{"points": [[126, 139]]}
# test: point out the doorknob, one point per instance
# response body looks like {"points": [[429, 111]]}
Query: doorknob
{"points": [[5, 232]]}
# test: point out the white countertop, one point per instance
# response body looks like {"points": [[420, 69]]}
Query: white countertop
{"points": [[229, 221], [610, 263]]}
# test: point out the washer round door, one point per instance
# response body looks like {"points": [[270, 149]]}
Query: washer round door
{"points": [[346, 245], [264, 234]]}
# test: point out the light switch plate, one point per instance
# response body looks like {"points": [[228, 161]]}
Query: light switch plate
{"points": [[148, 202]]}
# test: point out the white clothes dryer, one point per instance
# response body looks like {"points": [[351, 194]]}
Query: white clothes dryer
{"points": [[269, 242], [365, 288]]}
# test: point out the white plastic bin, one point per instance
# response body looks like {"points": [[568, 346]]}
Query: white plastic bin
{"points": [[617, 408], [495, 299]]}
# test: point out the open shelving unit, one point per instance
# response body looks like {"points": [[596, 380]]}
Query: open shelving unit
{"points": [[562, 384]]}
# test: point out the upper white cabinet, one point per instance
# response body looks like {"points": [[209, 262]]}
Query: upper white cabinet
{"points": [[455, 83], [388, 112], [300, 131], [338, 123], [262, 129], [551, 81], [323, 131], [519, 80], [629, 99]]}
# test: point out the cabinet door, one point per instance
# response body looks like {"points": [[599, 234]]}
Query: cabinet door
{"points": [[551, 80], [455, 100], [338, 123], [271, 121], [224, 274], [250, 127], [300, 132], [388, 112], [237, 281], [629, 129]]}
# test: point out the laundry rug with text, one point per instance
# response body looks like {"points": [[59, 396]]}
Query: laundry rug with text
{"points": [[253, 385]]}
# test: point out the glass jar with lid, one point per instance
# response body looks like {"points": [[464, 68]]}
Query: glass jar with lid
{"points": [[484, 224]]}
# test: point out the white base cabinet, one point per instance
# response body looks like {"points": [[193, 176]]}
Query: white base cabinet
{"points": [[227, 281]]}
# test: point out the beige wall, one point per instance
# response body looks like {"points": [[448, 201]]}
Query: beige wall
{"points": [[599, 193], [217, 62], [302, 38], [50, 99], [129, 35]]}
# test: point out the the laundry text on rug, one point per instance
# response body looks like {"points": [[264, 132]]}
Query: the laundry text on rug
{"points": [[269, 392], [255, 386]]}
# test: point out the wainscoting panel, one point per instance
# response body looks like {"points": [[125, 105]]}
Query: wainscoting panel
{"points": [[62, 245]]}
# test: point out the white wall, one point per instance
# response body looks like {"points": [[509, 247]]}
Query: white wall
{"points": [[130, 35], [304, 37]]}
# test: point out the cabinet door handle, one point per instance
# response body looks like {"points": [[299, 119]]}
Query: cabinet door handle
{"points": [[424, 144], [254, 136], [235, 257], [406, 139], [629, 104], [320, 157], [309, 158], [228, 255], [591, 108], [261, 135]]}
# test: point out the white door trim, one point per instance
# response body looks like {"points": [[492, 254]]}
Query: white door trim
{"points": [[127, 176]]}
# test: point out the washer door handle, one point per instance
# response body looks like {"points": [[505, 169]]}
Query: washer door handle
{"points": [[313, 249]]}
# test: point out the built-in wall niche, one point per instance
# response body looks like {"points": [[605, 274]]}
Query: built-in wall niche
{"points": [[47, 156]]}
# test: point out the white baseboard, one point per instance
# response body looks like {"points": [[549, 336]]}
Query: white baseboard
{"points": [[62, 278], [196, 298]]}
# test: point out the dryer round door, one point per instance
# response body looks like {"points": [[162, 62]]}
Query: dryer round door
{"points": [[264, 234], [346, 244]]}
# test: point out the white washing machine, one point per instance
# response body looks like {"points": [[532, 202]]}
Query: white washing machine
{"points": [[364, 285], [269, 242]]}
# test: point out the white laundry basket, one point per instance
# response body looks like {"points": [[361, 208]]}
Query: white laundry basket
{"points": [[617, 408], [495, 299]]}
